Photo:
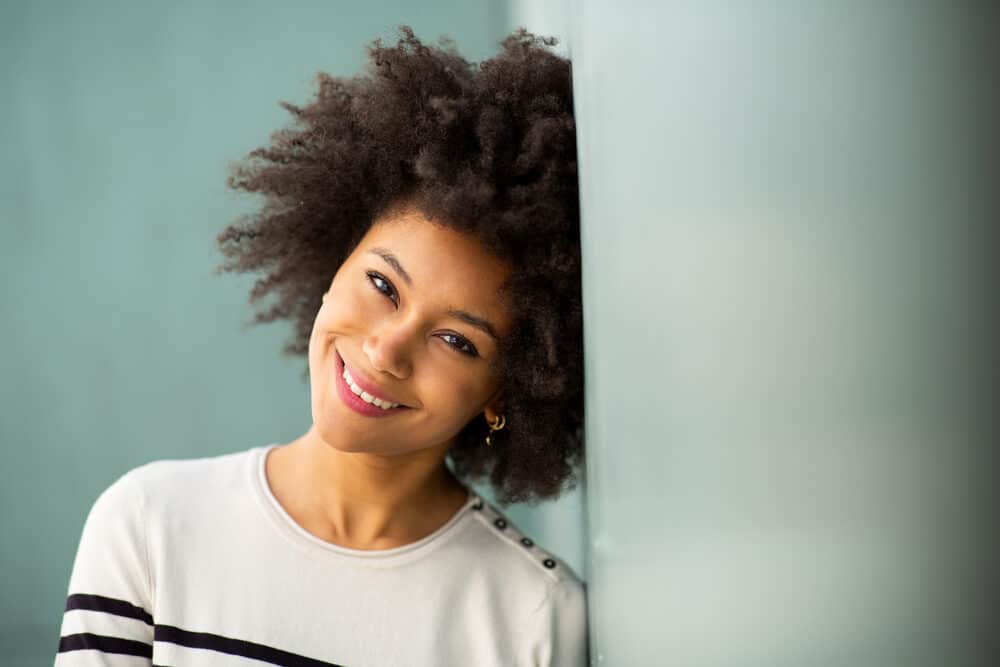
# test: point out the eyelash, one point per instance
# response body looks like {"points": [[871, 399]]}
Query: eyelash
{"points": [[373, 275]]}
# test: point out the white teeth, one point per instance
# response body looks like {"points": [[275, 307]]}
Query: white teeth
{"points": [[365, 396]]}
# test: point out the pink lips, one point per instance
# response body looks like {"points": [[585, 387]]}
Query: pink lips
{"points": [[354, 401]]}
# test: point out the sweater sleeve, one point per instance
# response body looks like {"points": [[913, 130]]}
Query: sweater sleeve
{"points": [[107, 619], [556, 633]]}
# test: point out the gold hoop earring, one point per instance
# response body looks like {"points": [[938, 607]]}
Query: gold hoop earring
{"points": [[496, 425]]}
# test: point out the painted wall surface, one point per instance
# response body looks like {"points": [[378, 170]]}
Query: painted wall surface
{"points": [[119, 345], [786, 216]]}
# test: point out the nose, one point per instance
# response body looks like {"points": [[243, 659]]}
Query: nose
{"points": [[388, 350]]}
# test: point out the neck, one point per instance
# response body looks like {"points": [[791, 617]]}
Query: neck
{"points": [[363, 500]]}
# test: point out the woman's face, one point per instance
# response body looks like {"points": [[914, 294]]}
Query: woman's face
{"points": [[410, 313]]}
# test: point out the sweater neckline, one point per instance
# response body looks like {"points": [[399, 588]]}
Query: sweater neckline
{"points": [[292, 530]]}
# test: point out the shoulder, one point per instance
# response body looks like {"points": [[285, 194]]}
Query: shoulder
{"points": [[554, 627], [520, 557], [161, 470], [152, 488], [182, 477]]}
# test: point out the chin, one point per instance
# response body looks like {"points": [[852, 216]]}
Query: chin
{"points": [[333, 433], [334, 437]]}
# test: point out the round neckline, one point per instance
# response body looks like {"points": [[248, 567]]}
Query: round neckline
{"points": [[297, 533]]}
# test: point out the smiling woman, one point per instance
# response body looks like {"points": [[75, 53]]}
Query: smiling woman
{"points": [[420, 230], [403, 341]]}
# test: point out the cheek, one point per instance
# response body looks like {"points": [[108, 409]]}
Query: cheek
{"points": [[458, 393], [345, 309], [340, 314]]}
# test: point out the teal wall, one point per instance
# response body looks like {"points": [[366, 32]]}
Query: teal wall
{"points": [[119, 345], [789, 213]]}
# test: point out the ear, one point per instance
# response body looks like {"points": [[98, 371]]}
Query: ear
{"points": [[494, 406]]}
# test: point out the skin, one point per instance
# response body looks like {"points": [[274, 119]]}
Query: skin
{"points": [[380, 483]]}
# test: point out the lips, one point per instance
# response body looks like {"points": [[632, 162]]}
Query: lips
{"points": [[354, 401]]}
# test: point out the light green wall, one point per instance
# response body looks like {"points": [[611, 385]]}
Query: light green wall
{"points": [[119, 345], [787, 230]]}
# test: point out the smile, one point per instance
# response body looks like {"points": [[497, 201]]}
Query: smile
{"points": [[354, 396]]}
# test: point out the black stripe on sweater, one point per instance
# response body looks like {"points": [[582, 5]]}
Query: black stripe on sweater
{"points": [[240, 647], [88, 640], [170, 634], [108, 606]]}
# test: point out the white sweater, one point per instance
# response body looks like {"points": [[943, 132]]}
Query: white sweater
{"points": [[194, 562]]}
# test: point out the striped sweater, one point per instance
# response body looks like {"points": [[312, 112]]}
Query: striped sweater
{"points": [[194, 562]]}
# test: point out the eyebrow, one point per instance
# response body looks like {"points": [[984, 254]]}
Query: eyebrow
{"points": [[394, 263], [467, 317]]}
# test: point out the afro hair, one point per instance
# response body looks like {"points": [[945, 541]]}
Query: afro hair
{"points": [[487, 149]]}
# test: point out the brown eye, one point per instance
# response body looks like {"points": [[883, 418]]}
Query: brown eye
{"points": [[463, 346], [382, 284]]}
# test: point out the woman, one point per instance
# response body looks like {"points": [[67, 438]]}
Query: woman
{"points": [[442, 198]]}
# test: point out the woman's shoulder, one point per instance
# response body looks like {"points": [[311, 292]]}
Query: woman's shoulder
{"points": [[551, 596], [518, 553], [169, 481], [168, 469]]}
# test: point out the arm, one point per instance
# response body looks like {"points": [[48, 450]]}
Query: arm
{"points": [[107, 620], [556, 633]]}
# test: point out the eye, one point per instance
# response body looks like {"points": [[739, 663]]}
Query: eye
{"points": [[378, 280], [463, 346], [384, 286]]}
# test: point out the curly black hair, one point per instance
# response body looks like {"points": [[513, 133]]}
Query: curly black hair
{"points": [[488, 150]]}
